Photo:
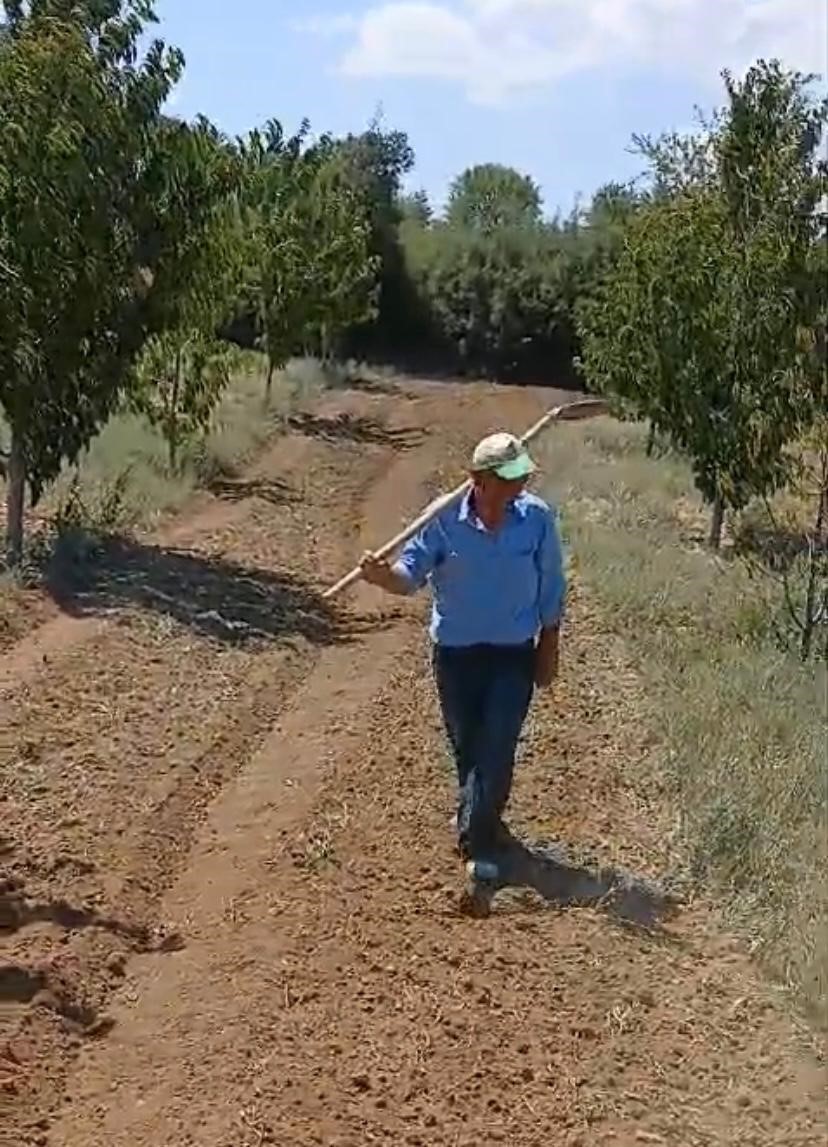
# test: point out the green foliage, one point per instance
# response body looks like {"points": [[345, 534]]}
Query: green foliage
{"points": [[416, 209], [492, 286], [67, 232], [311, 273], [182, 375], [500, 299], [490, 197], [132, 243], [373, 164], [698, 325], [184, 370], [490, 296], [102, 205]]}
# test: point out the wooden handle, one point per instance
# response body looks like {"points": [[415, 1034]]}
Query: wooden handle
{"points": [[431, 511], [569, 412]]}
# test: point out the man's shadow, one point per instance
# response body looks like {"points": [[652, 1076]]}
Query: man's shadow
{"points": [[549, 871]]}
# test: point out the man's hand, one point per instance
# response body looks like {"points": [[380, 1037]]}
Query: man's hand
{"points": [[548, 658], [379, 572]]}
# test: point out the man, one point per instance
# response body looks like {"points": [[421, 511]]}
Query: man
{"points": [[494, 563]]}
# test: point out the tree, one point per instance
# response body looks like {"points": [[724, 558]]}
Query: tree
{"points": [[374, 164], [100, 208], [496, 300], [415, 208], [312, 273], [345, 271], [491, 196], [181, 376], [184, 370], [277, 282], [698, 324]]}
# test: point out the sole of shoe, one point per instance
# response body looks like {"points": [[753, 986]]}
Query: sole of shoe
{"points": [[476, 900]]}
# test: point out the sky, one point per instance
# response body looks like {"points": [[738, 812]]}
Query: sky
{"points": [[555, 88]]}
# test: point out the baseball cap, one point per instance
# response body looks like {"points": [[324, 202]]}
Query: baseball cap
{"points": [[503, 454]]}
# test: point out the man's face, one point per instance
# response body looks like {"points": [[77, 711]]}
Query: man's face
{"points": [[498, 492]]}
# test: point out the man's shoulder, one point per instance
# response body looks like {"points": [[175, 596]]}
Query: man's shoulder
{"points": [[533, 506]]}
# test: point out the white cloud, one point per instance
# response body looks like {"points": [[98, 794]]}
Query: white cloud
{"points": [[499, 48]]}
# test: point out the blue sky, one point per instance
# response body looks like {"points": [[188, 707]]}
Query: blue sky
{"points": [[553, 87]]}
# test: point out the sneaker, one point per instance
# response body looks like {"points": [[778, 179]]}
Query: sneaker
{"points": [[477, 896], [483, 871]]}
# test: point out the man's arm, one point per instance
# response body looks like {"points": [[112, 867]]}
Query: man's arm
{"points": [[552, 599], [411, 570], [379, 572]]}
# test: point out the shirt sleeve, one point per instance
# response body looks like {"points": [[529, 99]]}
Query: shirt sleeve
{"points": [[421, 555], [552, 577]]}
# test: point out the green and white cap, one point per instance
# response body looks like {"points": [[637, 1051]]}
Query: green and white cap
{"points": [[504, 455]]}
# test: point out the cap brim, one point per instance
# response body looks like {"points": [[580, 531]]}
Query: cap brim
{"points": [[520, 467]]}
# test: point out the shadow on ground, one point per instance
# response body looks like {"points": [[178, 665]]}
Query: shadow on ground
{"points": [[210, 595], [356, 429], [547, 870], [17, 912], [271, 490], [369, 385], [366, 383]]}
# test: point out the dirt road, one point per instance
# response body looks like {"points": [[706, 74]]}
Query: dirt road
{"points": [[228, 898]]}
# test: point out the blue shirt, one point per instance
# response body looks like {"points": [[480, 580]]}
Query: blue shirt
{"points": [[488, 587]]}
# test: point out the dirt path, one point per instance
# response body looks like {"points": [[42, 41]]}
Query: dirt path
{"points": [[229, 904]]}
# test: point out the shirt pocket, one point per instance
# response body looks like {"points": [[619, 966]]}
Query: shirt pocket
{"points": [[518, 562], [519, 547]]}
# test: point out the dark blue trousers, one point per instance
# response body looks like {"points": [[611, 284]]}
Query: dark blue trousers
{"points": [[485, 692]]}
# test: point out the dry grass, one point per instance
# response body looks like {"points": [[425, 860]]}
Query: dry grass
{"points": [[739, 722], [123, 480]]}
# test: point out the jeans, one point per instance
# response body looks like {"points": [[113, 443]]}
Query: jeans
{"points": [[485, 692]]}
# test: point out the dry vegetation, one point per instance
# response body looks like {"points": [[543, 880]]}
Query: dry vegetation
{"points": [[738, 722], [217, 781], [124, 481]]}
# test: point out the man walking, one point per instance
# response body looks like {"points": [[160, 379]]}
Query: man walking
{"points": [[493, 560]]}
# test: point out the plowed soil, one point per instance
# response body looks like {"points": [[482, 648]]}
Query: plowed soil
{"points": [[229, 902]]}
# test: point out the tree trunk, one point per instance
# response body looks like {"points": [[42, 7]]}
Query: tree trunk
{"points": [[172, 416], [651, 440], [271, 370], [716, 523], [15, 502], [817, 557]]}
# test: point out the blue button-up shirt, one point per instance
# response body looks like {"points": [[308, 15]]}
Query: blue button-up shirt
{"points": [[493, 587]]}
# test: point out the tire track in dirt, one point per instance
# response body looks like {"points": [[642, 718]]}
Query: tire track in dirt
{"points": [[324, 989], [330, 994], [118, 741]]}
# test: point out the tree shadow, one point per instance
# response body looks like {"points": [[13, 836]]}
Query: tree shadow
{"points": [[357, 429], [339, 377], [548, 870], [18, 912], [211, 595], [368, 385], [271, 490]]}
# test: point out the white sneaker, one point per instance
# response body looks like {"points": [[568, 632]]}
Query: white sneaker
{"points": [[482, 871]]}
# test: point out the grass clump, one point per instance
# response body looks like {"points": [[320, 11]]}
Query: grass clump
{"points": [[739, 719], [123, 481]]}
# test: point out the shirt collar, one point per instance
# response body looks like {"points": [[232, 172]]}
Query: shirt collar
{"points": [[465, 510], [466, 513]]}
